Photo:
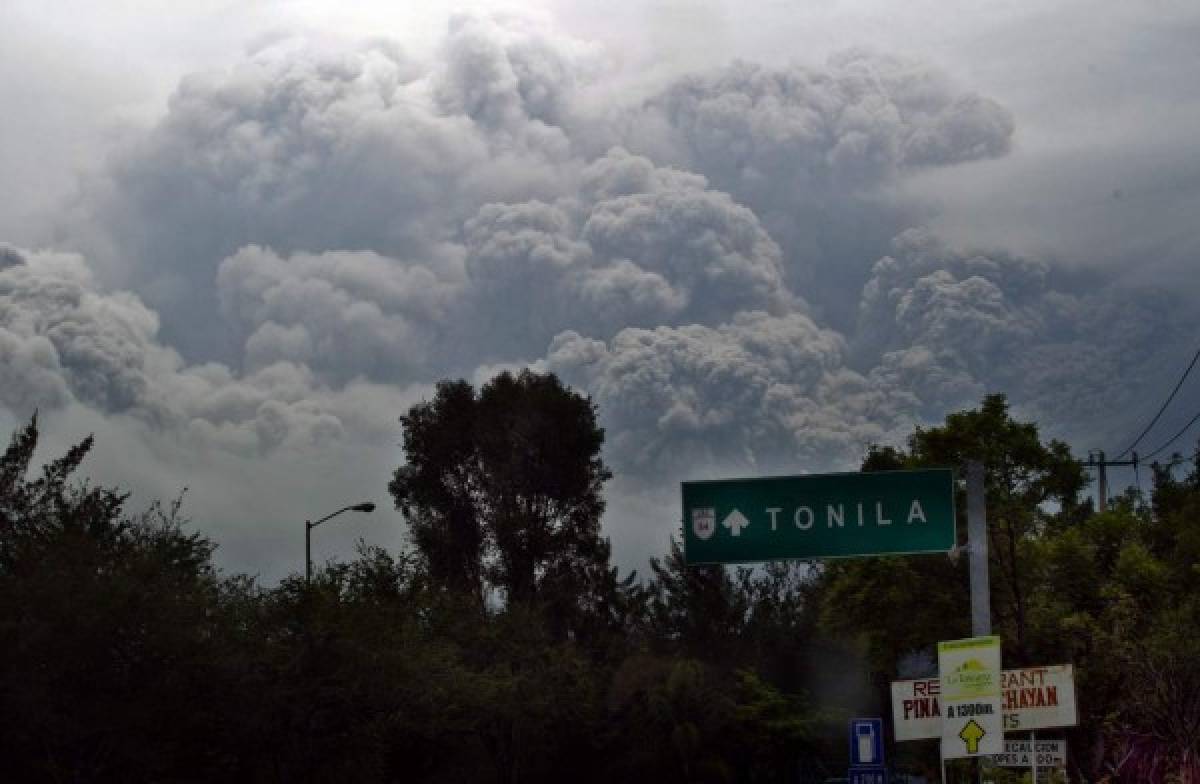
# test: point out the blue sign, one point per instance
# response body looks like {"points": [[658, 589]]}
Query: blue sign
{"points": [[866, 743], [868, 776]]}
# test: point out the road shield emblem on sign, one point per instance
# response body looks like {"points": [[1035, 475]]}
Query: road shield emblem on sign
{"points": [[704, 522]]}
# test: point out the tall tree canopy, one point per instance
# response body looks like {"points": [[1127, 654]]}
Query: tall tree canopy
{"points": [[106, 628], [1112, 593], [502, 488], [378, 670], [1031, 487]]}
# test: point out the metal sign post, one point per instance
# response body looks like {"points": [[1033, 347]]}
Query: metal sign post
{"points": [[977, 545]]}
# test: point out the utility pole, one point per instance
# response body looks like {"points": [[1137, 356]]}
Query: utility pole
{"points": [[1096, 460]]}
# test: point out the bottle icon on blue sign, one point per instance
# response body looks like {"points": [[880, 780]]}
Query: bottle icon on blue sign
{"points": [[866, 743]]}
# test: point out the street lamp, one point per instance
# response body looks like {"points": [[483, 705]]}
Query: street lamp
{"points": [[363, 507]]}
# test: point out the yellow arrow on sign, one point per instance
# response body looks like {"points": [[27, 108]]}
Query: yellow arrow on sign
{"points": [[971, 735]]}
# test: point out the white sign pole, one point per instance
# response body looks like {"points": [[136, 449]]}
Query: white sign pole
{"points": [[977, 545]]}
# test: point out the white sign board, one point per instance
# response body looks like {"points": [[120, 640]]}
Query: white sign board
{"points": [[917, 709], [1025, 753], [969, 671], [1033, 698], [1039, 697]]}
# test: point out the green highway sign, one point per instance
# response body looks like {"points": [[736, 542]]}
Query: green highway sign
{"points": [[818, 516]]}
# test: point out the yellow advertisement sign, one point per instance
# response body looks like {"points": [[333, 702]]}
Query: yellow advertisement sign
{"points": [[969, 671]]}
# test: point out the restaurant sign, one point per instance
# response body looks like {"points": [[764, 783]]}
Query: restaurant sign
{"points": [[1032, 698]]}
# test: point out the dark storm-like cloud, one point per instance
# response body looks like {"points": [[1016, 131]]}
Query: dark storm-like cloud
{"points": [[354, 214], [311, 147], [65, 340], [60, 339], [939, 327], [636, 245], [955, 323], [979, 305], [341, 313], [512, 75], [814, 152], [308, 147], [727, 264], [760, 392], [783, 133]]}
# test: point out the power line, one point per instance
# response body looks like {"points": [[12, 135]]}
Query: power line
{"points": [[1170, 397], [1175, 437]]}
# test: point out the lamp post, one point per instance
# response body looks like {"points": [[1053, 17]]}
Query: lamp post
{"points": [[308, 526]]}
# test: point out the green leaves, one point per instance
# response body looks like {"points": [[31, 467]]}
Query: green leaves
{"points": [[106, 627], [502, 491], [1107, 592], [124, 654]]}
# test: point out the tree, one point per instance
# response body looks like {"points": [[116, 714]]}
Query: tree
{"points": [[1113, 593], [502, 489], [106, 628], [697, 611], [1116, 594], [439, 487], [1031, 487]]}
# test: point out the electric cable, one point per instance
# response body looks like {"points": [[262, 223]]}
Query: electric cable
{"points": [[1175, 437], [1170, 397]]}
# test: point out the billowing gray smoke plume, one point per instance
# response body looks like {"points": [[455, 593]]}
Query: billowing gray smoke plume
{"points": [[813, 150], [306, 241]]}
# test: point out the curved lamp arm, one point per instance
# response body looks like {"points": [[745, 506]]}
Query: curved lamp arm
{"points": [[364, 507], [308, 526]]}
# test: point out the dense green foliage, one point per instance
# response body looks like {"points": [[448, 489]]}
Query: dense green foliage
{"points": [[1112, 593], [505, 647]]}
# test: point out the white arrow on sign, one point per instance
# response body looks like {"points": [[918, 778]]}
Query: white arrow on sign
{"points": [[735, 522]]}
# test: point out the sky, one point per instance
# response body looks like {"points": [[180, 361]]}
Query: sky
{"points": [[240, 239]]}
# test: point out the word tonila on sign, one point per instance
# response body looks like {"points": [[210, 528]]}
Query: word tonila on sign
{"points": [[803, 517]]}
